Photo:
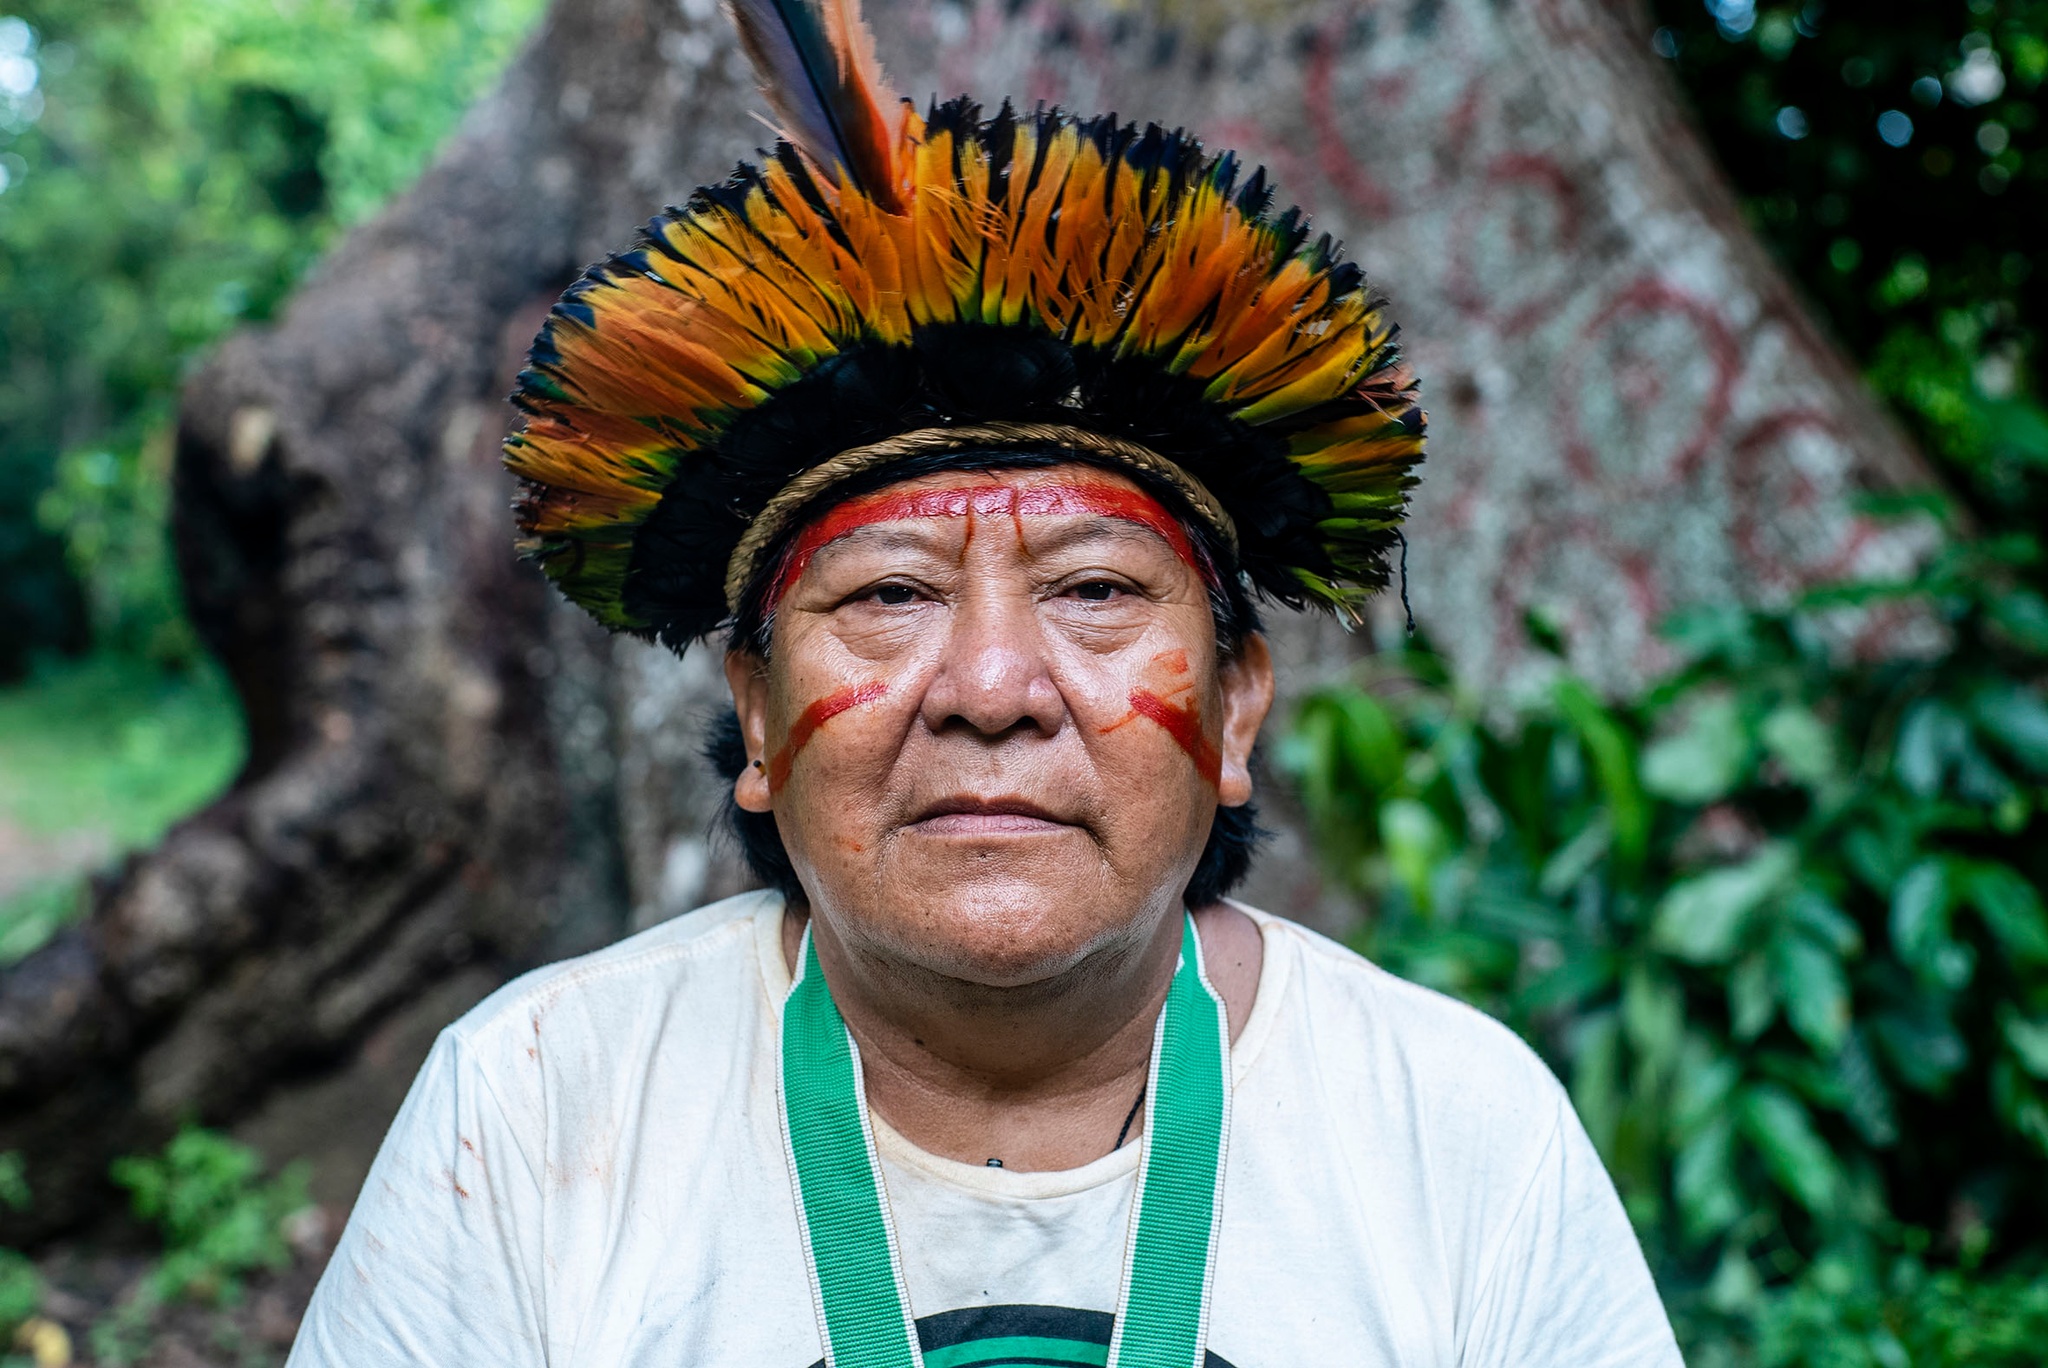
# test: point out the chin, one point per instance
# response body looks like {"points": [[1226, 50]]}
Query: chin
{"points": [[1001, 931]]}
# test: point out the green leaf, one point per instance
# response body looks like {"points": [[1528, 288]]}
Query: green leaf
{"points": [[1736, 1288], [1814, 990], [1702, 919], [1595, 1048], [2023, 616], [1874, 860], [1653, 1015], [1703, 1179], [1752, 997], [2011, 907], [1581, 977], [1813, 913], [1931, 739], [1725, 630], [1923, 1046], [1543, 632], [1794, 1154], [1613, 760], [1921, 910], [1574, 859], [1706, 1079], [33, 914], [2029, 1041], [21, 1289], [1502, 905], [2016, 719], [1372, 743], [1416, 844], [1309, 754], [2020, 425], [1705, 758], [1866, 1100], [14, 1189], [1801, 744]]}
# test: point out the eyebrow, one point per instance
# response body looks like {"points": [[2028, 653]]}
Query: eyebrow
{"points": [[904, 535], [1118, 529]]}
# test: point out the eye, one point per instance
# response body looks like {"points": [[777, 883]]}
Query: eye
{"points": [[1096, 591], [892, 595]]}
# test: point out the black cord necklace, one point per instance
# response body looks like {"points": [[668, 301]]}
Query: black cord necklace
{"points": [[1124, 1134], [1130, 1118]]}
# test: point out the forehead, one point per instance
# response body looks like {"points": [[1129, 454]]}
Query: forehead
{"points": [[1088, 495]]}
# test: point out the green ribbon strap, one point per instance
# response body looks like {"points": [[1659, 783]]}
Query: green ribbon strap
{"points": [[856, 1273]]}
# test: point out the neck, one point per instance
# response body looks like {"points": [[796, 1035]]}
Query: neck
{"points": [[1041, 1076]]}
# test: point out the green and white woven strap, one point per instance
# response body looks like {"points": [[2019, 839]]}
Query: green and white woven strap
{"points": [[1162, 1318]]}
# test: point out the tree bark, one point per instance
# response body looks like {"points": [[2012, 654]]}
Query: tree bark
{"points": [[453, 777]]}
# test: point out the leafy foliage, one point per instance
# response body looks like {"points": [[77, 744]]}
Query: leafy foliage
{"points": [[1838, 1317], [218, 1217], [1780, 923], [168, 171], [1894, 153], [21, 1286], [110, 750], [1779, 926], [21, 1290], [114, 745]]}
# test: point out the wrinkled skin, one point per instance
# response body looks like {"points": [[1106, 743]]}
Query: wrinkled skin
{"points": [[994, 729]]}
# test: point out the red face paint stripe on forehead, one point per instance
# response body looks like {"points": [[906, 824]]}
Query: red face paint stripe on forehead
{"points": [[1062, 498], [813, 717]]}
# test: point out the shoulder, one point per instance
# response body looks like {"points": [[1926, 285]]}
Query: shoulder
{"points": [[702, 965], [1381, 1042]]}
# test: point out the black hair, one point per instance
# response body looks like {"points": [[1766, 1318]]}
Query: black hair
{"points": [[1235, 836]]}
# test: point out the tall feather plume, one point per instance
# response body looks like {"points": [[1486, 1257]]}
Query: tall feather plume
{"points": [[817, 66]]}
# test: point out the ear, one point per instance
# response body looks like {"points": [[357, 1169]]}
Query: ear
{"points": [[747, 675], [1247, 681]]}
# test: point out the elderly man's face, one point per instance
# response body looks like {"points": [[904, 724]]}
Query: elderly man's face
{"points": [[994, 725]]}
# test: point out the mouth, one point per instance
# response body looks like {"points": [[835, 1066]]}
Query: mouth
{"points": [[964, 815]]}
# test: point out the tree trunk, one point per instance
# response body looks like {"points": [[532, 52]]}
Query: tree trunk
{"points": [[453, 777]]}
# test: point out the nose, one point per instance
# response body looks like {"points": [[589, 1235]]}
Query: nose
{"points": [[994, 676]]}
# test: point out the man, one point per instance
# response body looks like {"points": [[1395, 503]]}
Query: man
{"points": [[975, 437]]}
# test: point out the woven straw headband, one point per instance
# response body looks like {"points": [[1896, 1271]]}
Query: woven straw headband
{"points": [[781, 511]]}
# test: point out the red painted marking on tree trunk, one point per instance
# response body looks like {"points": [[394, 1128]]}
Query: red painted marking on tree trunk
{"points": [[1718, 346], [1182, 722], [988, 500], [1333, 154], [813, 717]]}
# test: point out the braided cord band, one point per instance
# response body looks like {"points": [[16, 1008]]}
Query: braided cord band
{"points": [[780, 512]]}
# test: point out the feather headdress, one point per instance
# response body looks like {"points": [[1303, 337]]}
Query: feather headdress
{"points": [[886, 284]]}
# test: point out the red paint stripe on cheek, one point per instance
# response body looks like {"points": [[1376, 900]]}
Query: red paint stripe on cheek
{"points": [[813, 717], [1182, 722]]}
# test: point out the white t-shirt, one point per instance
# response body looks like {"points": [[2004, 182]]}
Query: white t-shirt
{"points": [[590, 1171]]}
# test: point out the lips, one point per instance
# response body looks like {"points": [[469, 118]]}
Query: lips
{"points": [[965, 815]]}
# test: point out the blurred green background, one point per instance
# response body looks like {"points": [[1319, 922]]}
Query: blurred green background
{"points": [[168, 171], [1779, 923]]}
